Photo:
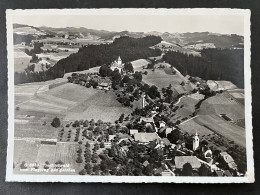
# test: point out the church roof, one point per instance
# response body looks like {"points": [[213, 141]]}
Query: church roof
{"points": [[119, 59]]}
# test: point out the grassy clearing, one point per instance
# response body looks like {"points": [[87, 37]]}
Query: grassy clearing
{"points": [[160, 79], [72, 92], [101, 105], [139, 64]]}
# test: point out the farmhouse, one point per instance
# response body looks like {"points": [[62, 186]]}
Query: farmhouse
{"points": [[104, 85], [182, 160], [133, 131], [146, 137], [146, 119]]}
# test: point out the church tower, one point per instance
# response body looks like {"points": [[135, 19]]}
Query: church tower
{"points": [[119, 61], [196, 141], [143, 101]]}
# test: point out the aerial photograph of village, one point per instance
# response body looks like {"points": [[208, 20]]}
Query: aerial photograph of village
{"points": [[129, 96]]}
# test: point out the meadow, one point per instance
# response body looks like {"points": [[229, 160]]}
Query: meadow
{"points": [[160, 79]]}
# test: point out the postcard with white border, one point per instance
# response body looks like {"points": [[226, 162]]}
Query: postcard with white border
{"points": [[129, 95]]}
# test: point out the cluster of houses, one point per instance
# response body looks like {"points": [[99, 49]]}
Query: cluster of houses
{"points": [[170, 166]]}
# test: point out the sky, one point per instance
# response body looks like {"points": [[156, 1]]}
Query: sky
{"points": [[223, 24]]}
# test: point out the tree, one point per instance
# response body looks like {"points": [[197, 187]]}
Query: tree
{"points": [[126, 79], [47, 165], [102, 145], [121, 118], [138, 76], [174, 136], [116, 76], [34, 59], [23, 165], [88, 168], [82, 172], [105, 71], [187, 170], [153, 92], [204, 170], [55, 122], [128, 67]]}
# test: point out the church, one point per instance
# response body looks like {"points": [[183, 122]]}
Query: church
{"points": [[117, 64]]}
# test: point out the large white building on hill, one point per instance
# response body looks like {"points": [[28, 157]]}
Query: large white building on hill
{"points": [[117, 64]]}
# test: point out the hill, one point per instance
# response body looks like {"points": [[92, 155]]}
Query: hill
{"points": [[187, 40], [90, 56], [167, 46]]}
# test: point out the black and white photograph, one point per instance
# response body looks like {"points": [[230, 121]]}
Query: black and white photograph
{"points": [[129, 95]]}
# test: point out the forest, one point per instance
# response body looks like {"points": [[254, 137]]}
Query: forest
{"points": [[214, 64], [129, 49]]}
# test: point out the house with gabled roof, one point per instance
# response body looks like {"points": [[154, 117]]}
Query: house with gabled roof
{"points": [[145, 138]]}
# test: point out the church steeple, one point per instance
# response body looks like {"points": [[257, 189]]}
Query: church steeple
{"points": [[119, 61], [196, 141]]}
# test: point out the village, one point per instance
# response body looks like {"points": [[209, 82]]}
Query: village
{"points": [[151, 140]]}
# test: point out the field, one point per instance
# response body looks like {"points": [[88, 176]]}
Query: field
{"points": [[210, 116], [220, 85], [35, 129], [186, 106], [72, 92], [37, 152], [224, 128], [223, 104], [166, 46], [99, 105], [160, 79], [139, 64], [21, 59], [191, 127], [25, 151]]}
